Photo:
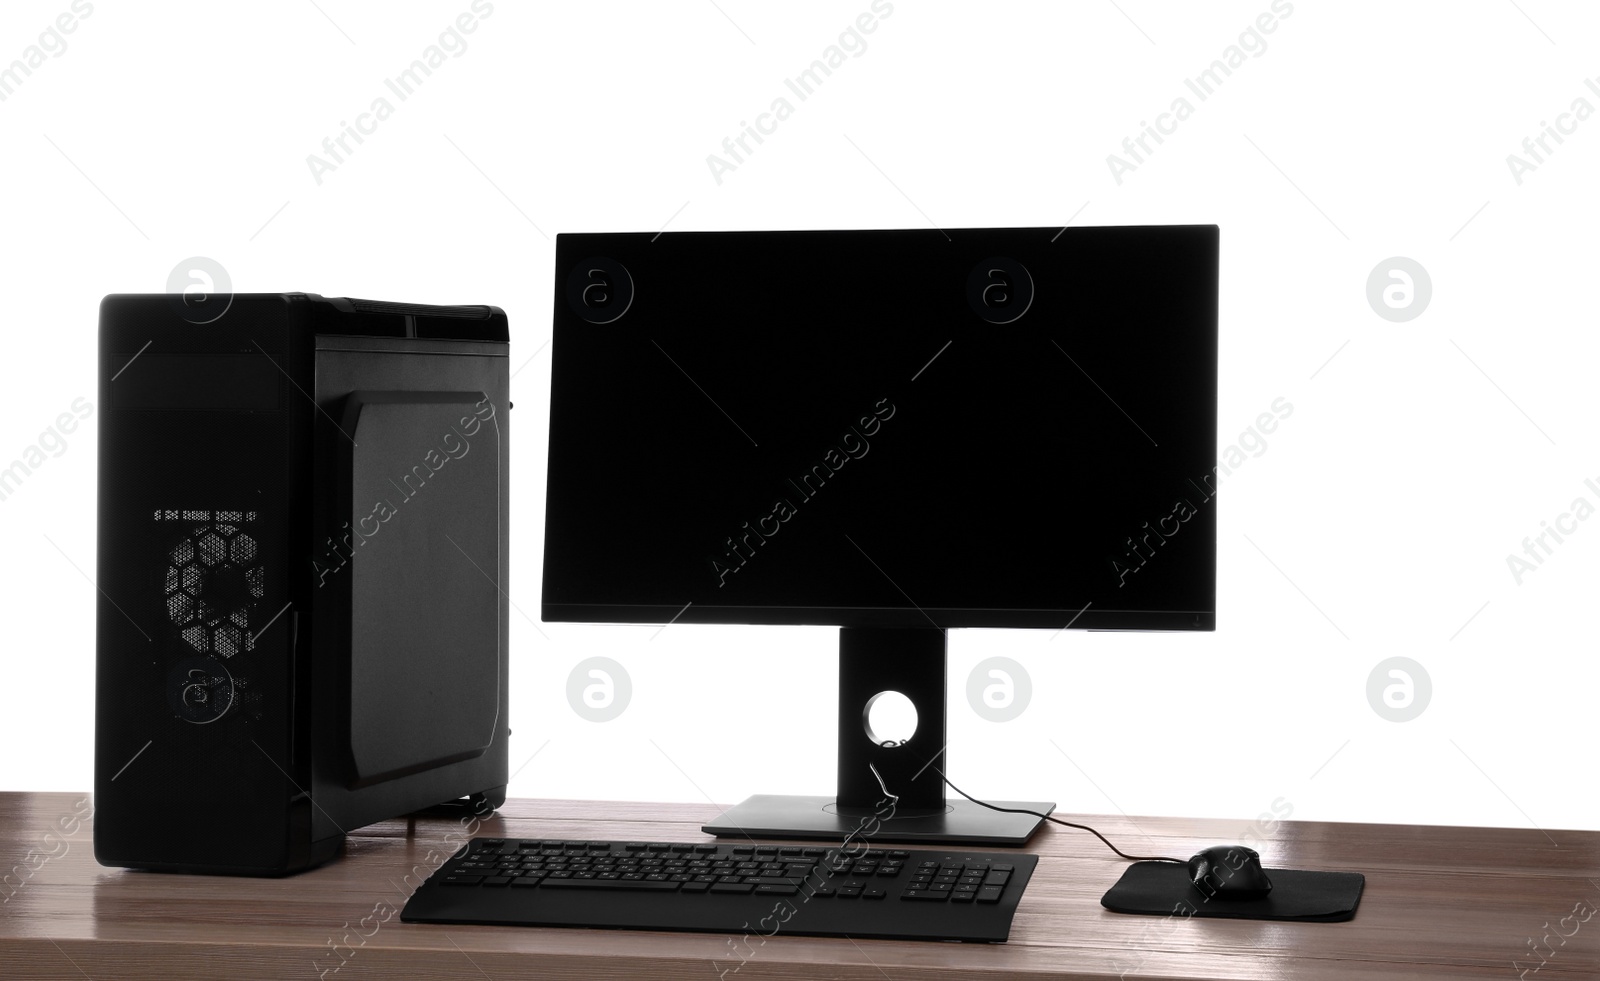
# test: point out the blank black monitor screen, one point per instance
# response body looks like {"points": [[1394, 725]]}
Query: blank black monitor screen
{"points": [[961, 428]]}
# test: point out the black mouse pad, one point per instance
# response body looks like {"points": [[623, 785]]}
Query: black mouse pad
{"points": [[1164, 889]]}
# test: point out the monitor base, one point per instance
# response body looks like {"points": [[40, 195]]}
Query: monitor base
{"points": [[821, 819]]}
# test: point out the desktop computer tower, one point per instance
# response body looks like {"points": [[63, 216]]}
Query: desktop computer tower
{"points": [[302, 564]]}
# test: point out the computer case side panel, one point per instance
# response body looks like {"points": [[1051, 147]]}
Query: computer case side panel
{"points": [[412, 663]]}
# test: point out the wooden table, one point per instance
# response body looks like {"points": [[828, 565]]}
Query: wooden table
{"points": [[1455, 903]]}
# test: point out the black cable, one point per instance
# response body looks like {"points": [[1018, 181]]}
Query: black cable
{"points": [[1069, 824]]}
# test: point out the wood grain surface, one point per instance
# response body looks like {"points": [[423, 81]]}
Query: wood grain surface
{"points": [[1440, 902]]}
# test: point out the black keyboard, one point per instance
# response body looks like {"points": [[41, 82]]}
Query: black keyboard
{"points": [[841, 890]]}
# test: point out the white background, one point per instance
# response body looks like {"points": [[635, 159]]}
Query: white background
{"points": [[1376, 522]]}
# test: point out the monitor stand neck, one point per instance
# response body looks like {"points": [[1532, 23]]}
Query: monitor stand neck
{"points": [[873, 660], [909, 804]]}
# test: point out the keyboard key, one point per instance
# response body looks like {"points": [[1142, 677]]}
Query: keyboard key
{"points": [[937, 897], [767, 880], [776, 890], [705, 849], [461, 880], [695, 886], [873, 893], [731, 887], [846, 892], [497, 880], [962, 897], [900, 855], [620, 885], [989, 894], [997, 878]]}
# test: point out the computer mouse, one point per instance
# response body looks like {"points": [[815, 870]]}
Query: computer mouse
{"points": [[1229, 872]]}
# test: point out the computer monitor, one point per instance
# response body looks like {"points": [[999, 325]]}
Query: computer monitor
{"points": [[894, 432]]}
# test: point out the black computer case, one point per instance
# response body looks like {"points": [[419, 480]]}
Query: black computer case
{"points": [[302, 575]]}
